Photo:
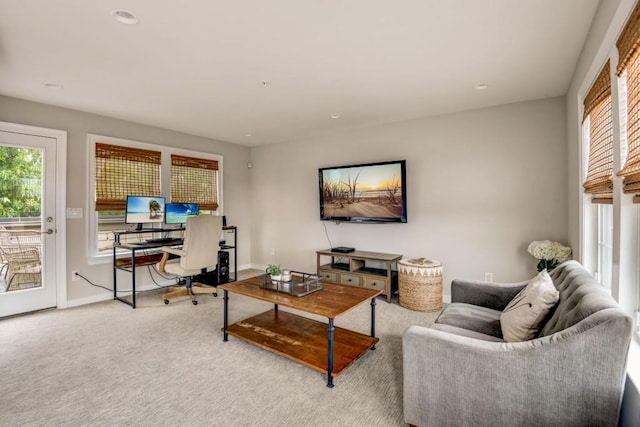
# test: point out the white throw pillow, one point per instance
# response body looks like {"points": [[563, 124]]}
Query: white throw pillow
{"points": [[522, 318]]}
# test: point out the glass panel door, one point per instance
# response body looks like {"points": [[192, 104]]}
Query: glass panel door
{"points": [[27, 228]]}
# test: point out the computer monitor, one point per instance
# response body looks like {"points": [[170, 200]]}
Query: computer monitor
{"points": [[144, 209], [177, 213]]}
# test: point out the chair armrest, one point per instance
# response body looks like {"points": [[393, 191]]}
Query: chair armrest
{"points": [[173, 251], [450, 379], [486, 294], [165, 256], [163, 262]]}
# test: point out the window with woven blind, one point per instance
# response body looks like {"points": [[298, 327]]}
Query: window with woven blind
{"points": [[597, 110], [194, 180], [628, 45], [122, 171]]}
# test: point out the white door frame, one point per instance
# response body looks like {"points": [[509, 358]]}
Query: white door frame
{"points": [[61, 200]]}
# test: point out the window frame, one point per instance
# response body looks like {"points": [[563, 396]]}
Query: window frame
{"points": [[604, 260], [93, 255]]}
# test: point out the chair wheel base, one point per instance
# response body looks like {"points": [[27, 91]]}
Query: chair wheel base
{"points": [[215, 294], [166, 301], [194, 302]]}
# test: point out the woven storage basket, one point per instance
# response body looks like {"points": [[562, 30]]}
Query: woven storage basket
{"points": [[420, 284]]}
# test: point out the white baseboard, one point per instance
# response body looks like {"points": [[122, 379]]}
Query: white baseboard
{"points": [[107, 295], [89, 300]]}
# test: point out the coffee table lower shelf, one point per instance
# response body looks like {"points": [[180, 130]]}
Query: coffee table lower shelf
{"points": [[302, 340]]}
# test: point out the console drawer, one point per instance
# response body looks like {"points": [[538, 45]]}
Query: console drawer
{"points": [[379, 284], [350, 279], [329, 276]]}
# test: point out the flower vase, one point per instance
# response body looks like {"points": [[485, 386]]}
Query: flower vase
{"points": [[545, 264]]}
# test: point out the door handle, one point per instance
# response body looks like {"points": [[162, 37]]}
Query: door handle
{"points": [[49, 231]]}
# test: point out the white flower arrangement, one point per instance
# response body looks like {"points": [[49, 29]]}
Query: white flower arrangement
{"points": [[548, 253]]}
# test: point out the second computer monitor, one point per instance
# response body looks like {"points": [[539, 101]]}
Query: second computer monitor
{"points": [[177, 213]]}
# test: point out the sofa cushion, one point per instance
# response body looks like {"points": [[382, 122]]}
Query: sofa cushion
{"points": [[472, 317], [524, 315]]}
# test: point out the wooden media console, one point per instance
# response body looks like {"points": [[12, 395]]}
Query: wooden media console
{"points": [[360, 269]]}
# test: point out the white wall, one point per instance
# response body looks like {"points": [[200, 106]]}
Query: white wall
{"points": [[481, 186], [78, 125]]}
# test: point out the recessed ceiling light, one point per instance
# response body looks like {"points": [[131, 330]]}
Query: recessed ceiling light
{"points": [[482, 86], [53, 85], [335, 116], [124, 16], [264, 82], [247, 135]]}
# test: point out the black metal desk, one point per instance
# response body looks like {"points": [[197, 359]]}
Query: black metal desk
{"points": [[129, 263]]}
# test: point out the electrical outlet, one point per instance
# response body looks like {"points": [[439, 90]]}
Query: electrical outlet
{"points": [[75, 275], [488, 277]]}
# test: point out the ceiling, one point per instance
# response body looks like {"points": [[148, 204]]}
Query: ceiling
{"points": [[257, 72]]}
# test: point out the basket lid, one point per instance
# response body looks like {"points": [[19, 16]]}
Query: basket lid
{"points": [[420, 262]]}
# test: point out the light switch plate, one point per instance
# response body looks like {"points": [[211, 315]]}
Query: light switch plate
{"points": [[74, 213]]}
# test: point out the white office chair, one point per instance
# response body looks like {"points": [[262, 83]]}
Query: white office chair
{"points": [[198, 255]]}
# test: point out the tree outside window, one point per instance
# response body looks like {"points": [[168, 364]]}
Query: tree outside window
{"points": [[20, 182]]}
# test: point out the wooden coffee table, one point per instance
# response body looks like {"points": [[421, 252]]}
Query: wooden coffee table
{"points": [[315, 344]]}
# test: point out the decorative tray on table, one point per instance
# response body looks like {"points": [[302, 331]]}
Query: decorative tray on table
{"points": [[299, 283]]}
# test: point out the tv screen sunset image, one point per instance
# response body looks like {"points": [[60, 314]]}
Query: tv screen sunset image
{"points": [[372, 191]]}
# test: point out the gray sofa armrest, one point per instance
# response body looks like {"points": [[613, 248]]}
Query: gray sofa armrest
{"points": [[453, 380], [486, 294]]}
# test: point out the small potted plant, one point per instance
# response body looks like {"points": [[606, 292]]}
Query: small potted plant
{"points": [[275, 271]]}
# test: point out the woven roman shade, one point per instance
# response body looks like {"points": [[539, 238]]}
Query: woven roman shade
{"points": [[629, 53], [123, 171], [629, 41], [194, 180], [597, 107]]}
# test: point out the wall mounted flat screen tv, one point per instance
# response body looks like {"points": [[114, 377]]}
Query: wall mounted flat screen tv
{"points": [[142, 209], [177, 213], [367, 193]]}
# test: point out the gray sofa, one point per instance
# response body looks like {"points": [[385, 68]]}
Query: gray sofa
{"points": [[460, 372]]}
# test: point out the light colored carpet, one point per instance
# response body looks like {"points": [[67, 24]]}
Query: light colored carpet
{"points": [[106, 364]]}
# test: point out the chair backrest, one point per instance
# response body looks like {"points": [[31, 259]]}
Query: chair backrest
{"points": [[28, 239], [201, 241]]}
